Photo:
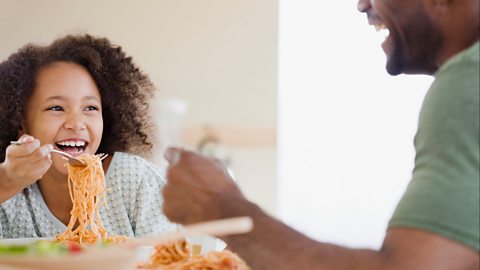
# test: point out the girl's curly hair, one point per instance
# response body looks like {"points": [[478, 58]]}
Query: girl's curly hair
{"points": [[124, 89]]}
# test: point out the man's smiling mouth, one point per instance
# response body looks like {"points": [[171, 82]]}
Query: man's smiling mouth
{"points": [[382, 29]]}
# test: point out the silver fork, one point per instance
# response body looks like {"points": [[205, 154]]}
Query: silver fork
{"points": [[71, 159]]}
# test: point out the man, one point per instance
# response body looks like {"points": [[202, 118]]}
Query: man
{"points": [[436, 224]]}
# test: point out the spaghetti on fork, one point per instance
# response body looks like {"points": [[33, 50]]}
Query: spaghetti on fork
{"points": [[87, 189]]}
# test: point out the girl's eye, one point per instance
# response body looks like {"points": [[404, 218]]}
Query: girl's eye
{"points": [[55, 108], [91, 108]]}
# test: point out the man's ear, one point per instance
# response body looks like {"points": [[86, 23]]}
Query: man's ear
{"points": [[440, 11], [439, 5], [442, 2]]}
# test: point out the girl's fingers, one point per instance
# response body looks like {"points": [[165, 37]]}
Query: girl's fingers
{"points": [[30, 167], [39, 168], [43, 152], [24, 149], [25, 138]]}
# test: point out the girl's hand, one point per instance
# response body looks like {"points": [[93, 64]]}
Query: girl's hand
{"points": [[25, 163]]}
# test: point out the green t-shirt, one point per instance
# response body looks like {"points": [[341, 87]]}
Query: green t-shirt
{"points": [[443, 196]]}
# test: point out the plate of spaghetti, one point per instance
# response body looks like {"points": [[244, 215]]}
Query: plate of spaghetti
{"points": [[179, 256]]}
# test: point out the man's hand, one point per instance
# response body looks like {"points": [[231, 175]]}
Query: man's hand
{"points": [[24, 164], [198, 189]]}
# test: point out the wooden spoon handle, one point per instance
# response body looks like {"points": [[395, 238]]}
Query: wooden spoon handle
{"points": [[221, 227]]}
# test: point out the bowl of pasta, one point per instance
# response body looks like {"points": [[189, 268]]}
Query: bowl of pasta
{"points": [[199, 245], [179, 255]]}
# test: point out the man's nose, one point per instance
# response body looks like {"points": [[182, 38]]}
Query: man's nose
{"points": [[75, 122], [364, 5]]}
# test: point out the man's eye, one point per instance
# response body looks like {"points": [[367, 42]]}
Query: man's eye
{"points": [[55, 108]]}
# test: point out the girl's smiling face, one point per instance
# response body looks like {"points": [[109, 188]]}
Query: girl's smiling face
{"points": [[65, 110]]}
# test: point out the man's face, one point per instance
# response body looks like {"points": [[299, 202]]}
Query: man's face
{"points": [[413, 42]]}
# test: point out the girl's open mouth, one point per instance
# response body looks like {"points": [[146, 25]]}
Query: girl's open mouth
{"points": [[72, 147]]}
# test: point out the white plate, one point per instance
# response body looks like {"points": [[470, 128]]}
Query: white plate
{"points": [[22, 241], [207, 243], [111, 258]]}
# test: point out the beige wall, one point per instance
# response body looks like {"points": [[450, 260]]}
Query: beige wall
{"points": [[218, 56]]}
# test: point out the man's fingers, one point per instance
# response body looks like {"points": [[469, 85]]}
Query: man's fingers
{"points": [[173, 155]]}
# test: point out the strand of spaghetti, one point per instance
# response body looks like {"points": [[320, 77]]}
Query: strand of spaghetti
{"points": [[73, 214]]}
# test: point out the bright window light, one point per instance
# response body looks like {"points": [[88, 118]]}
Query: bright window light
{"points": [[346, 127]]}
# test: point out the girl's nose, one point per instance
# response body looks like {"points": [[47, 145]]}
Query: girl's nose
{"points": [[364, 5], [75, 122]]}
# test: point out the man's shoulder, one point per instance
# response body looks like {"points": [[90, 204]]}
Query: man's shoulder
{"points": [[457, 83], [462, 67]]}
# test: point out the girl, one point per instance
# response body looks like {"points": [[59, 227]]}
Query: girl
{"points": [[80, 95]]}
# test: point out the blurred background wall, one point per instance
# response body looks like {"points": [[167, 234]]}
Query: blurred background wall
{"points": [[214, 63]]}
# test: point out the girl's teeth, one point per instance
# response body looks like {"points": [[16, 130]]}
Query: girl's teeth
{"points": [[72, 143]]}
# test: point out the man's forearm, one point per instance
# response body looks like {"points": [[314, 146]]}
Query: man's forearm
{"points": [[273, 245]]}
